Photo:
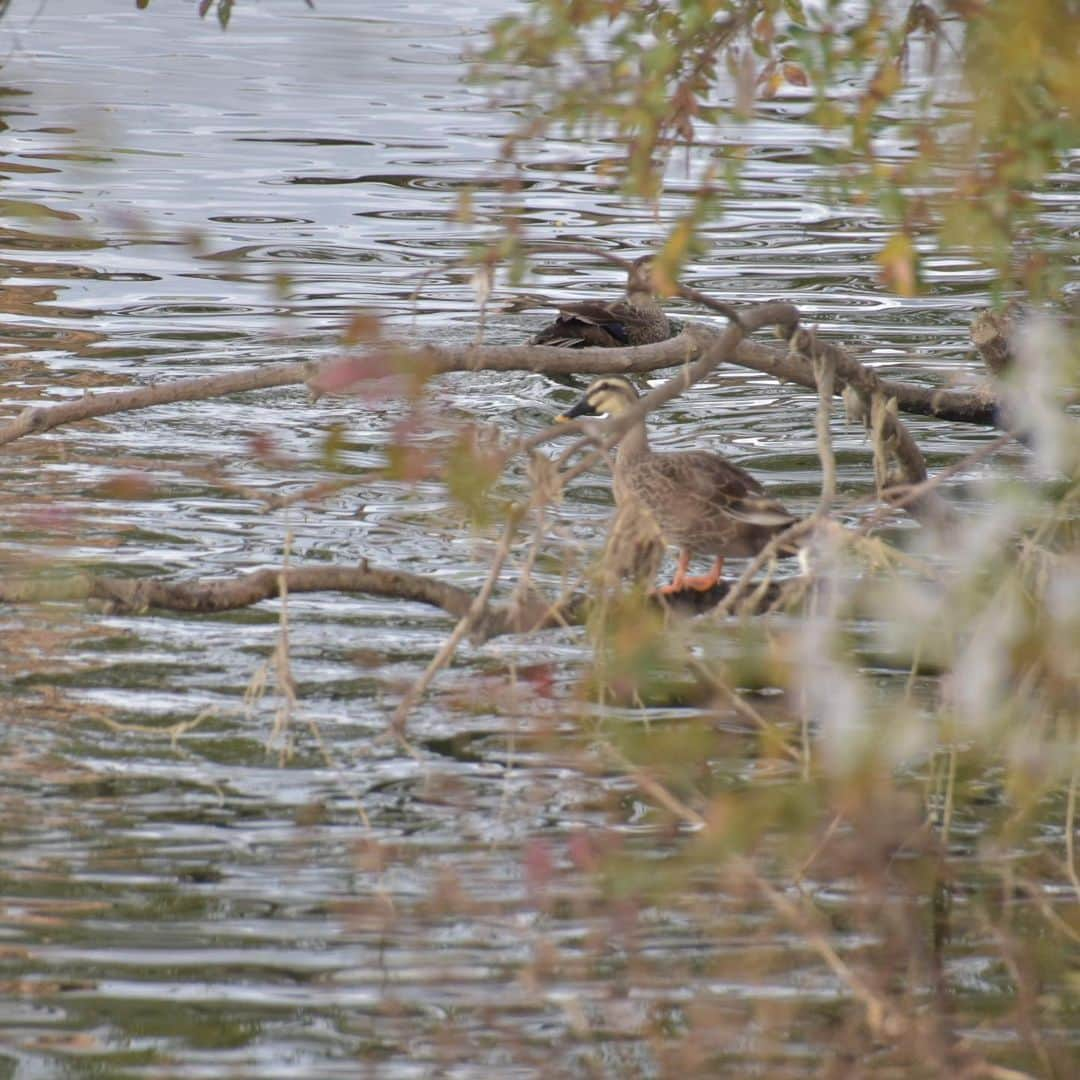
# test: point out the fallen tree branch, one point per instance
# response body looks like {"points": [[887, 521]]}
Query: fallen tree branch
{"points": [[431, 360], [960, 406], [215, 595], [37, 419], [963, 406], [874, 396], [208, 596]]}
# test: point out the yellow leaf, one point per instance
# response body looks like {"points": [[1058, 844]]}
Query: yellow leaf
{"points": [[898, 260], [362, 327]]}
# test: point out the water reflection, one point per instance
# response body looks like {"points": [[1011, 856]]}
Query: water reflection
{"points": [[198, 908]]}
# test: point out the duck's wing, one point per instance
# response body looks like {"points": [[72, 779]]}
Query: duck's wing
{"points": [[575, 334], [589, 322], [598, 312], [697, 484]]}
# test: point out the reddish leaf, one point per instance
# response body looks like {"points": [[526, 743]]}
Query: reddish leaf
{"points": [[362, 374], [540, 677], [410, 464], [53, 519], [794, 74], [582, 852], [624, 917], [264, 448], [539, 866]]}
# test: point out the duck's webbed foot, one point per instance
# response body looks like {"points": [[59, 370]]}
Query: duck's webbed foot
{"points": [[697, 582], [705, 582]]}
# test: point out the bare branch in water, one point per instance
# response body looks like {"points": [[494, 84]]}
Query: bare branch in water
{"points": [[214, 595], [962, 406]]}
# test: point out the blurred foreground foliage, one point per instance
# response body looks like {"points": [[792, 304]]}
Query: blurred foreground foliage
{"points": [[916, 726], [983, 96]]}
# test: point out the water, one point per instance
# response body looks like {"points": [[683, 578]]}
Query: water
{"points": [[308, 899]]}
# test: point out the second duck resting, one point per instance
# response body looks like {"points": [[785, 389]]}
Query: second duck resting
{"points": [[698, 500], [609, 324]]}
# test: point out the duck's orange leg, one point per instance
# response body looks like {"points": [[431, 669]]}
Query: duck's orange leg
{"points": [[678, 582], [704, 582]]}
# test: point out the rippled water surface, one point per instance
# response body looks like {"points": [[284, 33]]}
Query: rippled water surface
{"points": [[307, 899]]}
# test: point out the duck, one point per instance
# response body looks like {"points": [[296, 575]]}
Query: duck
{"points": [[637, 320], [695, 500]]}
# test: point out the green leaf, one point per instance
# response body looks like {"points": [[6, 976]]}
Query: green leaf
{"points": [[795, 11]]}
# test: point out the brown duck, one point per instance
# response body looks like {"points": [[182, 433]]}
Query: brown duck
{"points": [[696, 499], [637, 320]]}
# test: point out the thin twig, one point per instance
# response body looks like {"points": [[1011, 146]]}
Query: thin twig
{"points": [[654, 789], [821, 845], [825, 376], [1070, 836], [881, 1018], [727, 310], [1038, 895], [780, 540], [281, 661], [744, 708], [466, 623], [948, 801]]}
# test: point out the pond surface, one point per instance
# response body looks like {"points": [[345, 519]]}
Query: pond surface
{"points": [[279, 895]]}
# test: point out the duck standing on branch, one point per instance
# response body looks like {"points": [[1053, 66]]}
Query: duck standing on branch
{"points": [[697, 500], [637, 320]]}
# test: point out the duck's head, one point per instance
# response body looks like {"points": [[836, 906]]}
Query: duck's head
{"points": [[640, 276], [609, 395]]}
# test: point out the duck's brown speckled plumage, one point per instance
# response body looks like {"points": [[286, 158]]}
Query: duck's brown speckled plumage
{"points": [[637, 320], [694, 499]]}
